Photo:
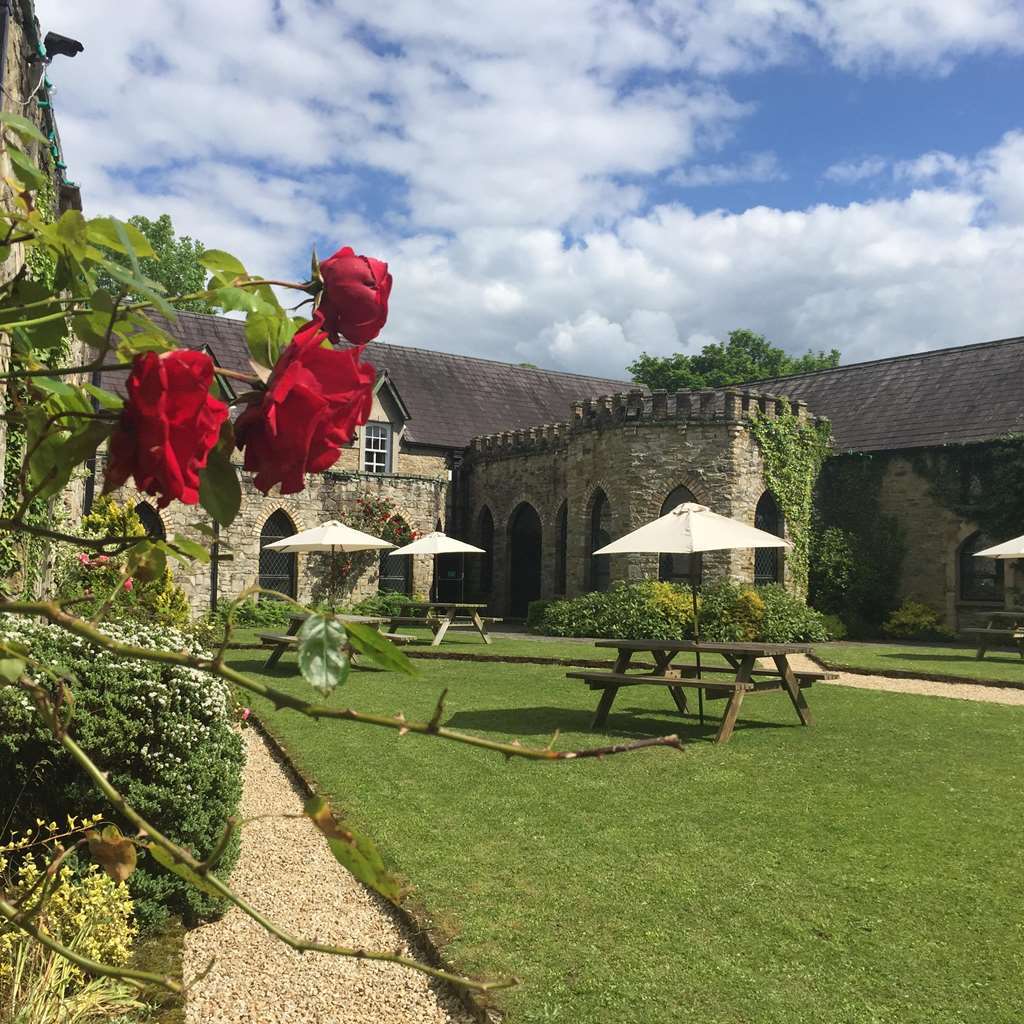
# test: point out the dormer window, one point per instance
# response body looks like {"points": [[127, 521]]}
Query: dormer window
{"points": [[377, 448]]}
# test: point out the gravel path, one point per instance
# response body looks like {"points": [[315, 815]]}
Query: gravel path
{"points": [[924, 687], [287, 872]]}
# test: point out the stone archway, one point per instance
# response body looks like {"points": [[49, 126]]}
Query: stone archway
{"points": [[525, 546]]}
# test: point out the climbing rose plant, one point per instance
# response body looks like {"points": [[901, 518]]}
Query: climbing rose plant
{"points": [[173, 435]]}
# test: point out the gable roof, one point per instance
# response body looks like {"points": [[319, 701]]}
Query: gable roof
{"points": [[450, 398], [946, 396]]}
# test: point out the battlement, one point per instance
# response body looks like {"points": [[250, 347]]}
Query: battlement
{"points": [[724, 405]]}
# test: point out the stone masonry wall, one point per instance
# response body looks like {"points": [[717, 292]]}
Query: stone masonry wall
{"points": [[634, 450], [420, 501]]}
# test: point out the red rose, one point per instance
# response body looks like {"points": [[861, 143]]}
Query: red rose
{"points": [[315, 399], [168, 426], [354, 301]]}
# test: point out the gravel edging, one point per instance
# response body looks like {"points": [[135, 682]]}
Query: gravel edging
{"points": [[932, 677], [286, 870]]}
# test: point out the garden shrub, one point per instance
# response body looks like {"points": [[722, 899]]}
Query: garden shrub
{"points": [[916, 621], [80, 573], [535, 615], [163, 733], [729, 612], [628, 610], [383, 603]]}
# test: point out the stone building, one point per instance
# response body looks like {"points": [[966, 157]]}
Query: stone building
{"points": [[540, 468]]}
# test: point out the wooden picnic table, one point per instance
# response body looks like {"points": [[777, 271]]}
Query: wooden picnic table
{"points": [[279, 643], [1005, 628], [440, 616], [733, 682]]}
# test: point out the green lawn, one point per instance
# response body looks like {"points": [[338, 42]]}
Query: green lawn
{"points": [[954, 662], [864, 871]]}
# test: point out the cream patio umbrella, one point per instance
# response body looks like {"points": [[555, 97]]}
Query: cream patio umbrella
{"points": [[435, 544], [1008, 549], [690, 529], [333, 537]]}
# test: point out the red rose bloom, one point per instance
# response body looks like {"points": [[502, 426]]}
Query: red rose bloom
{"points": [[315, 399], [168, 426], [354, 301]]}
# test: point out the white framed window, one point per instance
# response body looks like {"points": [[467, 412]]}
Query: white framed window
{"points": [[376, 448]]}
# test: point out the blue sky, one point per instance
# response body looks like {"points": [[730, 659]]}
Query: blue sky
{"points": [[572, 184]]}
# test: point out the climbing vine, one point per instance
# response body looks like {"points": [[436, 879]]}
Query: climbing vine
{"points": [[982, 483], [793, 451]]}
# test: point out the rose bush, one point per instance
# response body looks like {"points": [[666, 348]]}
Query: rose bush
{"points": [[354, 300], [314, 400], [168, 426]]}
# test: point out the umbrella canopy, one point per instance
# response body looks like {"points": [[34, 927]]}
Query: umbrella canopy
{"points": [[691, 528], [331, 536], [1008, 549], [438, 544]]}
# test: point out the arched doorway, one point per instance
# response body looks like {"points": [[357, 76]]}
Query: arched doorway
{"points": [[768, 561], [525, 536], [980, 579], [278, 569], [679, 568], [394, 575], [151, 521], [600, 534]]}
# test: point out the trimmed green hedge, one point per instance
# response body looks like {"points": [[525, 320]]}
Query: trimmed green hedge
{"points": [[729, 612]]}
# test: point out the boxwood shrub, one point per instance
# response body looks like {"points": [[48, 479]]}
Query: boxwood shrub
{"points": [[164, 734]]}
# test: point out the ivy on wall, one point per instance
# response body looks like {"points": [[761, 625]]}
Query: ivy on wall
{"points": [[857, 550], [793, 451], [982, 483]]}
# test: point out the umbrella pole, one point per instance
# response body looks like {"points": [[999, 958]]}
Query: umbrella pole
{"points": [[696, 639]]}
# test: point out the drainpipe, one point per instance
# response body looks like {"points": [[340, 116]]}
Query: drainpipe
{"points": [[5, 14]]}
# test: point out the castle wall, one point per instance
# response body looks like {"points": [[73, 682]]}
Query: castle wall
{"points": [[635, 450]]}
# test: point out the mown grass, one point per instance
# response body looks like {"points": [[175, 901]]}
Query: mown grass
{"points": [[859, 872], [912, 659]]}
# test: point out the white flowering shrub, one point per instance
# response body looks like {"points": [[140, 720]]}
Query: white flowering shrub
{"points": [[165, 734]]}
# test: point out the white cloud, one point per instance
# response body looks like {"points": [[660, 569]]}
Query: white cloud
{"points": [[758, 167], [513, 150], [849, 172]]}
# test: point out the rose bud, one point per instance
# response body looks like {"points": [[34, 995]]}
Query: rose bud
{"points": [[354, 300]]}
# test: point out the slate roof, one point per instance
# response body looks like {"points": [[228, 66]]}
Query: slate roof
{"points": [[451, 398], [946, 396]]}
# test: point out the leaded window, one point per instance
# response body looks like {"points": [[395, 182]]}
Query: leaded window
{"points": [[376, 448], [981, 579], [278, 570]]}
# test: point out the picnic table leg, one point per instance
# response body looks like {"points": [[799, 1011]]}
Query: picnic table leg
{"points": [[440, 630], [744, 667], [480, 628], [793, 689], [275, 656], [604, 706], [679, 697]]}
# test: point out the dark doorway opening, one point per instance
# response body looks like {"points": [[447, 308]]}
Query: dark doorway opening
{"points": [[525, 536]]}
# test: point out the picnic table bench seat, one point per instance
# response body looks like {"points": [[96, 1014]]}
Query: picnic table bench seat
{"points": [[995, 636], [441, 616], [290, 639]]}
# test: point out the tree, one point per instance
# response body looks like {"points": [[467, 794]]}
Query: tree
{"points": [[746, 356], [176, 266]]}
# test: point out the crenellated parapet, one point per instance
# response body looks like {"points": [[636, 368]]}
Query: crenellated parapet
{"points": [[726, 406]]}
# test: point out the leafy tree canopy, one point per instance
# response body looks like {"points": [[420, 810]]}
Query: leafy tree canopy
{"points": [[744, 357], [176, 266]]}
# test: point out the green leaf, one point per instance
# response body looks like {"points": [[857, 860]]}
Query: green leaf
{"points": [[104, 231], [23, 128], [357, 853], [191, 548], [71, 231], [219, 262], [147, 560], [131, 345], [105, 398], [54, 386], [220, 493], [11, 669], [323, 658], [26, 170], [377, 649], [162, 857], [267, 336], [244, 299], [113, 852], [60, 449]]}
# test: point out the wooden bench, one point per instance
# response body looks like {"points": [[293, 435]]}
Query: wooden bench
{"points": [[281, 642], [993, 636]]}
